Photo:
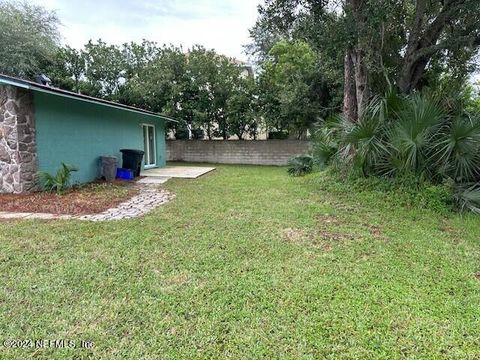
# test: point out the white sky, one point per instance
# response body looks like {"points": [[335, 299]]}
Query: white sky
{"points": [[219, 24]]}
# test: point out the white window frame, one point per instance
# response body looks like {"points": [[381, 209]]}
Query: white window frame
{"points": [[147, 149]]}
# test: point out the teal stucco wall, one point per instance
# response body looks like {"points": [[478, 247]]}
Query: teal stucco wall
{"points": [[78, 133]]}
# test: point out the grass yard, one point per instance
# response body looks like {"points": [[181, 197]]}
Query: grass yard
{"points": [[248, 262]]}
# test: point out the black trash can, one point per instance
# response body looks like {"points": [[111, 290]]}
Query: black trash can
{"points": [[132, 159], [108, 167]]}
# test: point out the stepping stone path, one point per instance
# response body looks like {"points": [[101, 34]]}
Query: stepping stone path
{"points": [[148, 198]]}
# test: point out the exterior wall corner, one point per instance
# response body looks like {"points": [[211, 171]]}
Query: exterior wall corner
{"points": [[18, 151]]}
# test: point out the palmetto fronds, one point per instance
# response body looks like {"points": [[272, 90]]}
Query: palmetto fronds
{"points": [[408, 135], [58, 182], [411, 135], [467, 197], [456, 150], [300, 165]]}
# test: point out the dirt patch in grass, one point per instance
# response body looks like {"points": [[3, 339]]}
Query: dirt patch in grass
{"points": [[87, 199], [327, 219], [446, 226], [335, 236], [328, 230], [296, 236], [316, 238], [328, 222]]}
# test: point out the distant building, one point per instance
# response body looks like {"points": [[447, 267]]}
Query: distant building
{"points": [[247, 68]]}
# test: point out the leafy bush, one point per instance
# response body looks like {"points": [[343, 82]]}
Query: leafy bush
{"points": [[181, 134], [467, 197], [325, 144], [398, 136], [198, 134], [434, 197], [58, 182], [277, 135], [393, 192], [300, 165]]}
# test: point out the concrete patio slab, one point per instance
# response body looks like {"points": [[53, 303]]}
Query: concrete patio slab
{"points": [[184, 172], [153, 180]]}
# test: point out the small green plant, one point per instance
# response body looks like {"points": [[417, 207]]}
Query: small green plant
{"points": [[59, 182], [467, 197], [300, 165], [277, 135]]}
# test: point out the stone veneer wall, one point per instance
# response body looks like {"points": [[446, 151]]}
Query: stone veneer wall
{"points": [[253, 152], [18, 153]]}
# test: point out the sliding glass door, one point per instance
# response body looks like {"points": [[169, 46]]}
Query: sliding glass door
{"points": [[149, 144]]}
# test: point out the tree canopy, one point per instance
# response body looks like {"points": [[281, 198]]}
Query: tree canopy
{"points": [[197, 86], [376, 43], [29, 38], [293, 94], [311, 57]]}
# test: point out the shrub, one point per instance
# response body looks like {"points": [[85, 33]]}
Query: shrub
{"points": [[466, 197], [300, 165], [416, 135], [277, 135], [181, 134], [325, 144], [58, 182], [434, 197], [198, 134]]}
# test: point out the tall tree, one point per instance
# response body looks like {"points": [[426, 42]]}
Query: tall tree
{"points": [[241, 115], [381, 41], [438, 28], [226, 79], [201, 73], [29, 38], [68, 69], [194, 87], [160, 84], [105, 69], [292, 94], [356, 87]]}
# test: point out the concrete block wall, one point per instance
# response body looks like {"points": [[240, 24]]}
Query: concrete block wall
{"points": [[255, 152]]}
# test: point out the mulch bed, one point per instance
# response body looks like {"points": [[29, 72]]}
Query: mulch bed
{"points": [[83, 200]]}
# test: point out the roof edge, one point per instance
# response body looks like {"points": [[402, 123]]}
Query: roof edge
{"points": [[26, 84]]}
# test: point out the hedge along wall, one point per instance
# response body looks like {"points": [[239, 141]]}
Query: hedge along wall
{"points": [[253, 152]]}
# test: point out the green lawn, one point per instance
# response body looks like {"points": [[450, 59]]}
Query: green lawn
{"points": [[248, 262]]}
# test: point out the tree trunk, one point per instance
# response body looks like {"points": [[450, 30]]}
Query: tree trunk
{"points": [[356, 91], [349, 89], [209, 131], [223, 127], [423, 42], [361, 81], [411, 73]]}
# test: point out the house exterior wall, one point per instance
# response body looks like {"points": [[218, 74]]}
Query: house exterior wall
{"points": [[78, 133], [18, 158]]}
